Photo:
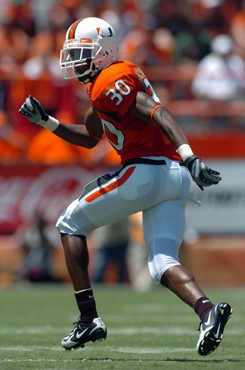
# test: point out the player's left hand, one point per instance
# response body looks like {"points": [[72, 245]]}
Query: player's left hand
{"points": [[33, 110], [200, 173]]}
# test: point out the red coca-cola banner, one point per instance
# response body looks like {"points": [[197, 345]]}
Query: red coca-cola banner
{"points": [[25, 190]]}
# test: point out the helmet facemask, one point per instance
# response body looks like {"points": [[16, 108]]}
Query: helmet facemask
{"points": [[80, 60]]}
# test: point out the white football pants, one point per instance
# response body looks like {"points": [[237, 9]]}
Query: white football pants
{"points": [[159, 191]]}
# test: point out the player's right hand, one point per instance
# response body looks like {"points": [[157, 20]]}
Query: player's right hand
{"points": [[33, 110], [200, 173]]}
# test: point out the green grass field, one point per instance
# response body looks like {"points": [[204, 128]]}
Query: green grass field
{"points": [[146, 330]]}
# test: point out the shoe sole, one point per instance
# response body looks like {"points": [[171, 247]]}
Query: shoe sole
{"points": [[213, 337], [99, 335]]}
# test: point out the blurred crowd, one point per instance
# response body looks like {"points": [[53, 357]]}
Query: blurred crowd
{"points": [[119, 254], [168, 39]]}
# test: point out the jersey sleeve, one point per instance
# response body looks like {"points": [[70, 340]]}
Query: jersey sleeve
{"points": [[118, 94]]}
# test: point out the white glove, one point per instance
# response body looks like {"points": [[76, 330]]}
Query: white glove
{"points": [[33, 110]]}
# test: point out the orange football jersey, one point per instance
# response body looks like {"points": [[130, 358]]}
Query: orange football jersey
{"points": [[112, 94]]}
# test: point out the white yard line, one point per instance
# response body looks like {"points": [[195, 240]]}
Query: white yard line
{"points": [[30, 348], [38, 360], [112, 331], [168, 330]]}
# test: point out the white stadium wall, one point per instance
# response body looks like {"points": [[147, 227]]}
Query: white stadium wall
{"points": [[222, 208]]}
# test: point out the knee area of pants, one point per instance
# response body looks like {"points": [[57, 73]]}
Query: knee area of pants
{"points": [[157, 275], [163, 254], [156, 279]]}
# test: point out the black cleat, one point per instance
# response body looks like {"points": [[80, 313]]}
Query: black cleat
{"points": [[212, 328], [83, 333]]}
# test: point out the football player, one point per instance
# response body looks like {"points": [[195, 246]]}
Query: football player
{"points": [[157, 167]]}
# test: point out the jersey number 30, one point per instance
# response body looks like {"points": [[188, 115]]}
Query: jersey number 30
{"points": [[122, 88], [115, 136]]}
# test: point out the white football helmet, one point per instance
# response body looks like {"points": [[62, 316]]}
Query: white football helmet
{"points": [[89, 47]]}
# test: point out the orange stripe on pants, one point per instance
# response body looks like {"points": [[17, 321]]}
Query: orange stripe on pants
{"points": [[106, 189]]}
